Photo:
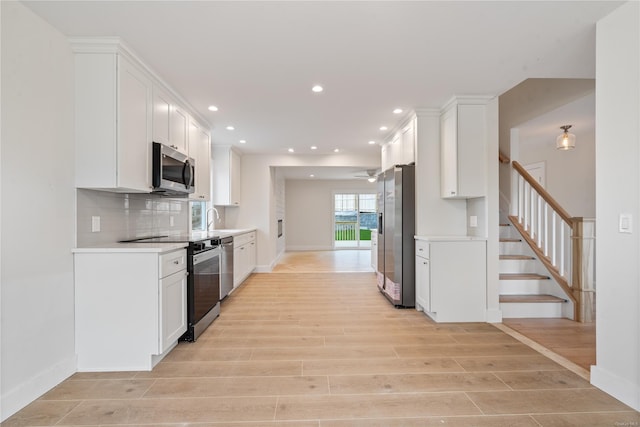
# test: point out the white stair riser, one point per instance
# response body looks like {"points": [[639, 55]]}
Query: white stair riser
{"points": [[507, 232], [517, 266], [533, 310], [510, 248], [523, 287]]}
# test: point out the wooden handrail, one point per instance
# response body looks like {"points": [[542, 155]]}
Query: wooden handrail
{"points": [[503, 158], [543, 193]]}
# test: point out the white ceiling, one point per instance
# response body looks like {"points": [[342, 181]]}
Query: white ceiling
{"points": [[257, 61]]}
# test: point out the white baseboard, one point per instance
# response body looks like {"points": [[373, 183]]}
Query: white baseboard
{"points": [[494, 316], [264, 268], [618, 387], [19, 397], [309, 248]]}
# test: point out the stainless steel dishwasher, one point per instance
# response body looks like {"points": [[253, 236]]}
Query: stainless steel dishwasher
{"points": [[226, 266]]}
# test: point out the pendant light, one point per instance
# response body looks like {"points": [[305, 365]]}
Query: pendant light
{"points": [[566, 140]]}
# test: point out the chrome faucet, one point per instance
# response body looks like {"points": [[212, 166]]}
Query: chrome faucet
{"points": [[212, 220]]}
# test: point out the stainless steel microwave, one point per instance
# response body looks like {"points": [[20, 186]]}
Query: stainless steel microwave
{"points": [[173, 172]]}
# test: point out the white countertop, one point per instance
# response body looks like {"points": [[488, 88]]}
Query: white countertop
{"points": [[449, 238], [116, 247], [226, 232], [131, 247]]}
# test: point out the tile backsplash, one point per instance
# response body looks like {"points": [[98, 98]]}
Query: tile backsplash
{"points": [[127, 216]]}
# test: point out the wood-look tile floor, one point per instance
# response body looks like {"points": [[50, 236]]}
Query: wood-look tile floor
{"points": [[328, 350]]}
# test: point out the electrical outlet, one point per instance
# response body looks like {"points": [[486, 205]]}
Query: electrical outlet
{"points": [[95, 224], [473, 221]]}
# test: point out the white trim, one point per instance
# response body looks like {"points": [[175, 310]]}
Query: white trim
{"points": [[309, 248], [619, 387], [22, 395], [494, 316]]}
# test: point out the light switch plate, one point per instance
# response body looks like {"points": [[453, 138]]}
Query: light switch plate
{"points": [[625, 223], [95, 224], [473, 221], [171, 221]]}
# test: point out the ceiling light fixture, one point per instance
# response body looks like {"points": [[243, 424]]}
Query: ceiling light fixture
{"points": [[383, 128], [317, 88], [566, 140], [243, 141], [397, 111], [371, 142], [230, 128], [337, 150], [311, 176], [212, 108], [372, 179], [313, 147], [291, 150]]}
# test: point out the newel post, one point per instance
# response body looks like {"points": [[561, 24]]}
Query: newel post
{"points": [[577, 282]]}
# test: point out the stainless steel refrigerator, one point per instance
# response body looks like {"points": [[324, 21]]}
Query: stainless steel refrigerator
{"points": [[396, 230]]}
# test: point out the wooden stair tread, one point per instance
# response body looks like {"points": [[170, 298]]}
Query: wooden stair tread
{"points": [[531, 298], [505, 239], [523, 276], [526, 257]]}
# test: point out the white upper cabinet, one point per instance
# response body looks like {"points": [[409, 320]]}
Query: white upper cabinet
{"points": [[170, 121], [408, 139], [463, 148], [121, 107], [400, 149], [200, 151], [226, 176], [113, 123]]}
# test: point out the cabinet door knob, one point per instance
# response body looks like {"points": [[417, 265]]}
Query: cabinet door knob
{"points": [[176, 262]]}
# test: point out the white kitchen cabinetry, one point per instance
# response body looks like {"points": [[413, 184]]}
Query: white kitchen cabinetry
{"points": [[400, 149], [423, 281], [200, 151], [112, 122], [463, 148], [226, 176], [170, 121], [451, 280], [130, 308], [244, 257]]}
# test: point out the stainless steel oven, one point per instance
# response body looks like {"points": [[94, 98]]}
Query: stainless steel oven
{"points": [[203, 286]]}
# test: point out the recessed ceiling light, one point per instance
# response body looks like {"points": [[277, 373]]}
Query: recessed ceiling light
{"points": [[290, 150], [311, 176], [371, 142], [243, 141], [383, 128], [212, 108], [397, 111], [230, 128], [337, 150], [313, 147], [317, 88]]}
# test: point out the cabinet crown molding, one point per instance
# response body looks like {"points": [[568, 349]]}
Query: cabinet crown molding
{"points": [[115, 45], [468, 100]]}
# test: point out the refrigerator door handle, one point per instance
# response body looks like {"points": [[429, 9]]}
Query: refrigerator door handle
{"points": [[380, 224]]}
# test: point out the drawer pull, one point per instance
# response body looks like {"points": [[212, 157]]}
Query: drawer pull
{"points": [[176, 262]]}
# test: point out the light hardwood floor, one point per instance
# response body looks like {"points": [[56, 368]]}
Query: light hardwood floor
{"points": [[326, 349]]}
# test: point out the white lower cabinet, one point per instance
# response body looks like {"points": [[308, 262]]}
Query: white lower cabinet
{"points": [[130, 308], [244, 257], [423, 280], [451, 280]]}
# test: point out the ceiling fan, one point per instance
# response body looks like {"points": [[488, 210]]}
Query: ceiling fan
{"points": [[371, 175]]}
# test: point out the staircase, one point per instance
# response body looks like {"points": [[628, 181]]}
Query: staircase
{"points": [[526, 289]]}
